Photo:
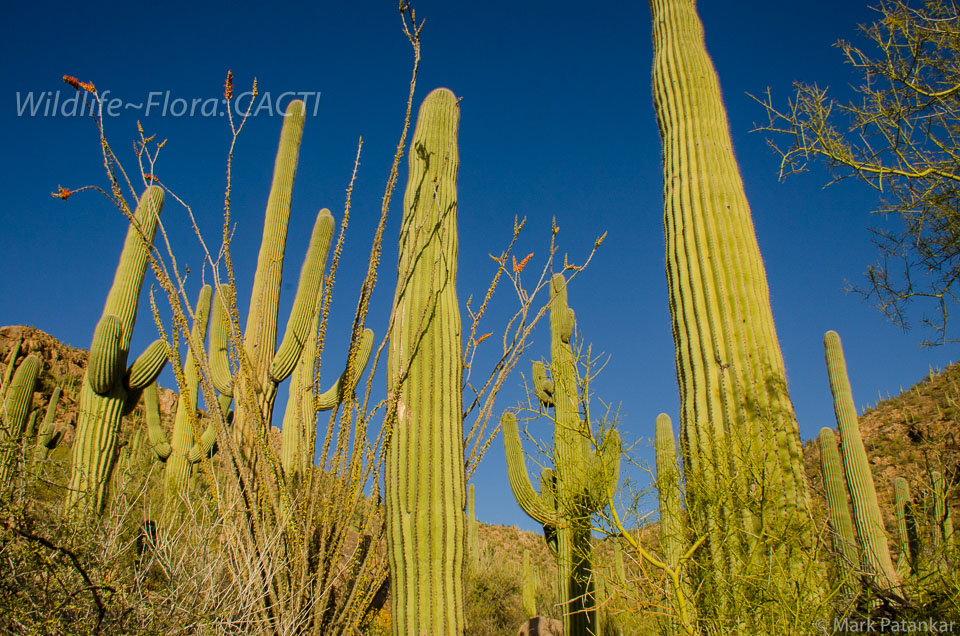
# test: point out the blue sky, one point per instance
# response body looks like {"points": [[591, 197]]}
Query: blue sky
{"points": [[557, 121]]}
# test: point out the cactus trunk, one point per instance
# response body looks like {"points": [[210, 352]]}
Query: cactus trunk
{"points": [[425, 481], [736, 415]]}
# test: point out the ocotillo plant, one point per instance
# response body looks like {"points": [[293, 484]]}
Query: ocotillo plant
{"points": [[736, 416], [584, 472], [425, 481], [109, 389], [16, 396], [871, 536], [176, 474]]}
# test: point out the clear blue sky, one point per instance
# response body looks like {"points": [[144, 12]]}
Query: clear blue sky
{"points": [[557, 120]]}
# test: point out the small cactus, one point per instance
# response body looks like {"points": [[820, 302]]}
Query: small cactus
{"points": [[17, 396]]}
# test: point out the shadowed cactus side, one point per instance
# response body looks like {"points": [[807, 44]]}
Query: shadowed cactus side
{"points": [[583, 477], [425, 481], [871, 535], [109, 390], [16, 396]]}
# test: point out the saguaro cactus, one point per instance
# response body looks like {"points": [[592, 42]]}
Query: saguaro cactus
{"points": [[300, 414], [844, 541], [872, 538], [425, 481], [736, 415], [473, 529], [109, 389], [15, 399], [582, 479], [907, 561], [262, 365], [672, 525], [176, 474], [531, 580]]}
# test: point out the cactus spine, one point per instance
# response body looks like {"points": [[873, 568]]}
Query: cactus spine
{"points": [[15, 399], [844, 542], [107, 392], [583, 478], [425, 481], [176, 474], [874, 551], [736, 415]]}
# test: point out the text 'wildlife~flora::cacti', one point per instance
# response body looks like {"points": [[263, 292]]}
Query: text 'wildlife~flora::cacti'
{"points": [[109, 389], [425, 481], [737, 422]]}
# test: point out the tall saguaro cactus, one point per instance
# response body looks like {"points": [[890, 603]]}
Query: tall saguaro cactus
{"points": [[109, 389], [425, 481], [262, 365], [872, 538], [736, 415], [583, 477]]}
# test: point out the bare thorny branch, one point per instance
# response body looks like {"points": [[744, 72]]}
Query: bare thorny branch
{"points": [[901, 135]]}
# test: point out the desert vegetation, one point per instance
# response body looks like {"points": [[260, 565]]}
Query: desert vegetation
{"points": [[348, 508]]}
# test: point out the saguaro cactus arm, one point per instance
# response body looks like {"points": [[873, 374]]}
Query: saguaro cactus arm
{"points": [[146, 368], [532, 503], [157, 438], [304, 303]]}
